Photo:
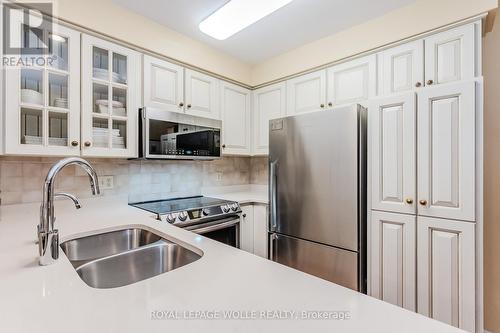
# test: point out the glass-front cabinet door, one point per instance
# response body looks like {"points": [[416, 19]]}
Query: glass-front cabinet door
{"points": [[110, 98], [42, 101]]}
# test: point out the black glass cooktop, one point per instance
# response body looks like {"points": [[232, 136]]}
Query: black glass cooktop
{"points": [[179, 204]]}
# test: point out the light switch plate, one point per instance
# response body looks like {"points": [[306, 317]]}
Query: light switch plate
{"points": [[105, 182]]}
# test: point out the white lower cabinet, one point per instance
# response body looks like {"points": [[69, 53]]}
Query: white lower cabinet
{"points": [[393, 238], [246, 228], [253, 229], [446, 271], [260, 230]]}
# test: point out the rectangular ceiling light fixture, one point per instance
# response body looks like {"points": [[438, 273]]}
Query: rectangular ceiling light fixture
{"points": [[236, 15]]}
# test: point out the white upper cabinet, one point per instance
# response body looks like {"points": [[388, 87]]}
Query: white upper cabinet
{"points": [[446, 271], [110, 98], [450, 55], [163, 84], [202, 94], [268, 103], [236, 118], [446, 151], [393, 258], [392, 127], [401, 68], [354, 81], [306, 93], [43, 101]]}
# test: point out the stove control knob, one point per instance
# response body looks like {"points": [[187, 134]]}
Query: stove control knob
{"points": [[182, 216], [205, 211], [170, 218], [226, 208], [234, 207]]}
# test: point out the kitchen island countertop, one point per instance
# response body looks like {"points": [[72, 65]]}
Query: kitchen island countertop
{"points": [[224, 282]]}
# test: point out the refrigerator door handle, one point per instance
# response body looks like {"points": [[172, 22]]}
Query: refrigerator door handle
{"points": [[273, 195], [272, 251]]}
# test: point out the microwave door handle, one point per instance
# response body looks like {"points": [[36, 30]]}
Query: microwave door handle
{"points": [[273, 195]]}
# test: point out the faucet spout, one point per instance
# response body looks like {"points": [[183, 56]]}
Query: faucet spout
{"points": [[48, 238]]}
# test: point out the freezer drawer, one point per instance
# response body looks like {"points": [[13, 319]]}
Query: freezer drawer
{"points": [[327, 262]]}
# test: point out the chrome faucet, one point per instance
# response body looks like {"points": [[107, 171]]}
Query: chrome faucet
{"points": [[48, 236]]}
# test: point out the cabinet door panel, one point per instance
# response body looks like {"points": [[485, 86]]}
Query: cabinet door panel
{"points": [[44, 100], [352, 82], [110, 98], [392, 132], [393, 260], [450, 55], [260, 230], [446, 271], [268, 103], [401, 68], [202, 95], [446, 151], [235, 112], [306, 93], [163, 84], [246, 228]]}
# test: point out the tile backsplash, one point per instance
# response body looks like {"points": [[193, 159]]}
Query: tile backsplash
{"points": [[21, 178], [258, 170]]}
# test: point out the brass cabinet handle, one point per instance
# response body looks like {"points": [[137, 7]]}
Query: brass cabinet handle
{"points": [[87, 144], [181, 104], [188, 106], [409, 201], [429, 82], [418, 84], [74, 143], [423, 202], [330, 104], [223, 146], [322, 105]]}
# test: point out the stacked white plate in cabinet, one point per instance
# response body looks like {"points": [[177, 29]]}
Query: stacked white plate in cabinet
{"points": [[101, 137], [61, 103], [118, 107], [31, 96]]}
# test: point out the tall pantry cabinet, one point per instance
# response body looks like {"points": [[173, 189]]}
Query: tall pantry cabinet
{"points": [[425, 179]]}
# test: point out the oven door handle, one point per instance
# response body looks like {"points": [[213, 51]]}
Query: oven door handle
{"points": [[218, 226]]}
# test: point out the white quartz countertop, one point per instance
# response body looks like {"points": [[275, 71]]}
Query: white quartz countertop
{"points": [[54, 299], [246, 194]]}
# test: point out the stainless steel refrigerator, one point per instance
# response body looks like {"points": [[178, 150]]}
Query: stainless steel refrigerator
{"points": [[317, 185]]}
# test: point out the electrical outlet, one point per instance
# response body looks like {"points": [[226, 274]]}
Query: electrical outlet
{"points": [[105, 182], [218, 176]]}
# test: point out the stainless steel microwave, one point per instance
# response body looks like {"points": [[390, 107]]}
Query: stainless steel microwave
{"points": [[172, 135]]}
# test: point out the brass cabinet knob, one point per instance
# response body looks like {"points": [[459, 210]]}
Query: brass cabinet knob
{"points": [[423, 202], [330, 104], [418, 84], [409, 201], [188, 106], [322, 105], [223, 146], [181, 104], [87, 144], [244, 215], [74, 143], [429, 82]]}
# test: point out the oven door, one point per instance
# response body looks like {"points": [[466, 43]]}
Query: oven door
{"points": [[226, 231]]}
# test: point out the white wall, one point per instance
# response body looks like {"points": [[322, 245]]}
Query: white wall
{"points": [[421, 16], [106, 17]]}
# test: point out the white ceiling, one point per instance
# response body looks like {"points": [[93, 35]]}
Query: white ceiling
{"points": [[298, 23]]}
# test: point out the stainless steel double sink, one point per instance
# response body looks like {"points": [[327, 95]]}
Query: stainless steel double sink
{"points": [[118, 258]]}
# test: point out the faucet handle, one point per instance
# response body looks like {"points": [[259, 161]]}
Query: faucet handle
{"points": [[69, 196]]}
